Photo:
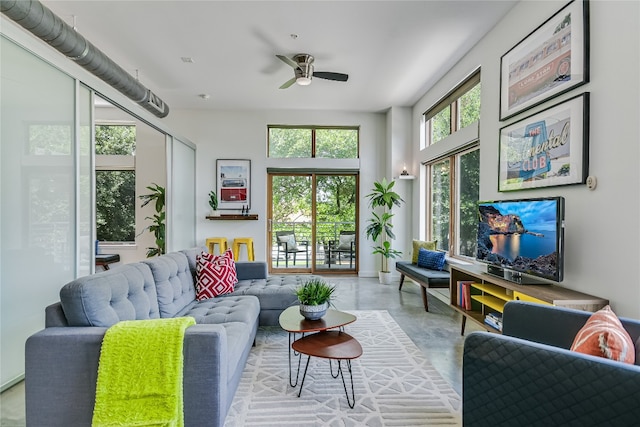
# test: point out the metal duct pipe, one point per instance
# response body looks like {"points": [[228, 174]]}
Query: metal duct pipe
{"points": [[43, 23]]}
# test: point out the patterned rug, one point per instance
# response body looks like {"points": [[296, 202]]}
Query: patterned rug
{"points": [[395, 385]]}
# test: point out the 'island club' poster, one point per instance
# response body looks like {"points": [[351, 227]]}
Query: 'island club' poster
{"points": [[546, 149]]}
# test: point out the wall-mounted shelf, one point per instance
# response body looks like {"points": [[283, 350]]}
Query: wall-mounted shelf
{"points": [[406, 177], [238, 217]]}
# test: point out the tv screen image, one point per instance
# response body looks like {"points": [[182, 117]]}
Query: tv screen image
{"points": [[523, 235]]}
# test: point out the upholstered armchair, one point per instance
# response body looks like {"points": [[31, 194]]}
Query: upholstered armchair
{"points": [[528, 376]]}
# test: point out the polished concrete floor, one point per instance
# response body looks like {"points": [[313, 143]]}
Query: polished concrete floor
{"points": [[436, 333]]}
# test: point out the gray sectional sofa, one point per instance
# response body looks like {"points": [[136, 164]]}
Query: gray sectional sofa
{"points": [[61, 361]]}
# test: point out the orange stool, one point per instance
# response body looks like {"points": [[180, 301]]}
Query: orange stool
{"points": [[220, 241], [243, 241]]}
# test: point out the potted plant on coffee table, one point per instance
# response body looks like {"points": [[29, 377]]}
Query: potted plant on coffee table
{"points": [[314, 296], [380, 228]]}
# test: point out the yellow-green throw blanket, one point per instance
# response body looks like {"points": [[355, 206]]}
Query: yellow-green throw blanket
{"points": [[140, 374]]}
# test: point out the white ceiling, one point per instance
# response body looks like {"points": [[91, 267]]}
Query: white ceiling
{"points": [[393, 51]]}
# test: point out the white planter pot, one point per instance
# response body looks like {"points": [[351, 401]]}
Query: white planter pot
{"points": [[314, 312], [215, 213], [384, 277]]}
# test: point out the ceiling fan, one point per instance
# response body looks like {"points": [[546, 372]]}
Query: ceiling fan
{"points": [[302, 65]]}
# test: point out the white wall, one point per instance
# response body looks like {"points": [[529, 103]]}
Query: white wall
{"points": [[243, 135], [602, 251]]}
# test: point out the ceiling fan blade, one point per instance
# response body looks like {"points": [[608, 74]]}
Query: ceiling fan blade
{"points": [[331, 76], [288, 61], [288, 83]]}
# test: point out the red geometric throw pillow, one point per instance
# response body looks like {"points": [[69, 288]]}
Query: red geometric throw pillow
{"points": [[216, 275], [603, 335]]}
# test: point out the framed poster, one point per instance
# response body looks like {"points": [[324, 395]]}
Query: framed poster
{"points": [[233, 184], [549, 61], [546, 149]]}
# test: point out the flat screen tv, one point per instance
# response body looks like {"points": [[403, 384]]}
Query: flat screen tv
{"points": [[522, 236]]}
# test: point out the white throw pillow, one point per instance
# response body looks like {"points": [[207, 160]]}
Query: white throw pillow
{"points": [[290, 240], [344, 244]]}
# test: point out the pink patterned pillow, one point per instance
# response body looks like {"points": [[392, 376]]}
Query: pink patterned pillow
{"points": [[216, 275]]}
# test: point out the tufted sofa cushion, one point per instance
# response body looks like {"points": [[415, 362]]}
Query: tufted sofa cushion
{"points": [[275, 292], [243, 309], [174, 282], [104, 299]]}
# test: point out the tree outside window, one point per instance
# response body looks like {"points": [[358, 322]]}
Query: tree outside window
{"points": [[288, 142], [115, 183]]}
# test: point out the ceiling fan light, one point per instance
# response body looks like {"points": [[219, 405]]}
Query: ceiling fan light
{"points": [[303, 81]]}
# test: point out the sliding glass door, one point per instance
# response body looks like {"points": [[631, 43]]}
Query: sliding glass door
{"points": [[312, 222]]}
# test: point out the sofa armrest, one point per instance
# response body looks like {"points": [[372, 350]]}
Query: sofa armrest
{"points": [[509, 381], [546, 324], [248, 270], [54, 316], [61, 369]]}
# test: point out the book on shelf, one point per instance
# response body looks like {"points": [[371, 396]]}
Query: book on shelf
{"points": [[464, 301], [494, 320], [466, 288]]}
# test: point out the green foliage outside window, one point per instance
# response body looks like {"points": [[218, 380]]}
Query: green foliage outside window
{"points": [[440, 203], [116, 140], [337, 143], [287, 143], [115, 206], [469, 194], [330, 143], [469, 106], [441, 125]]}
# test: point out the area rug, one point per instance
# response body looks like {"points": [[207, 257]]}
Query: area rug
{"points": [[395, 385]]}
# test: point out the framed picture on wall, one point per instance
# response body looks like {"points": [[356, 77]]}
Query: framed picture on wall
{"points": [[233, 183], [551, 60], [546, 149]]}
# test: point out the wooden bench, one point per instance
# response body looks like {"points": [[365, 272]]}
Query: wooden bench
{"points": [[424, 277], [105, 259]]}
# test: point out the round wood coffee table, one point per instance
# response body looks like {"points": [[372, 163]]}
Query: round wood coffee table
{"points": [[332, 345]]}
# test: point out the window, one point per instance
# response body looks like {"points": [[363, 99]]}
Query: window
{"points": [[115, 182], [454, 178], [316, 142], [455, 111], [115, 205]]}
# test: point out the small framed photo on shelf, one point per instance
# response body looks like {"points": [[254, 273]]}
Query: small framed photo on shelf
{"points": [[551, 60], [546, 149], [233, 184]]}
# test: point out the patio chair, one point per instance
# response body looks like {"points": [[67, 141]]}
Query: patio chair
{"points": [[287, 245], [346, 244]]}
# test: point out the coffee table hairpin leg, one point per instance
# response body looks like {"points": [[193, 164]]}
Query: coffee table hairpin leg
{"points": [[351, 401], [295, 354]]}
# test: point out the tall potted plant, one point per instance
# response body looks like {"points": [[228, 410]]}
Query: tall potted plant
{"points": [[157, 226], [380, 228]]}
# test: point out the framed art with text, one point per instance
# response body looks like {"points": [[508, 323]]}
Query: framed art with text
{"points": [[546, 149], [233, 183], [549, 61]]}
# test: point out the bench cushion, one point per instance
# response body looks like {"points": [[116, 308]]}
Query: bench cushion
{"points": [[426, 276]]}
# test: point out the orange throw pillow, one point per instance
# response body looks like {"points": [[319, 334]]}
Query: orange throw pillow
{"points": [[603, 335]]}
